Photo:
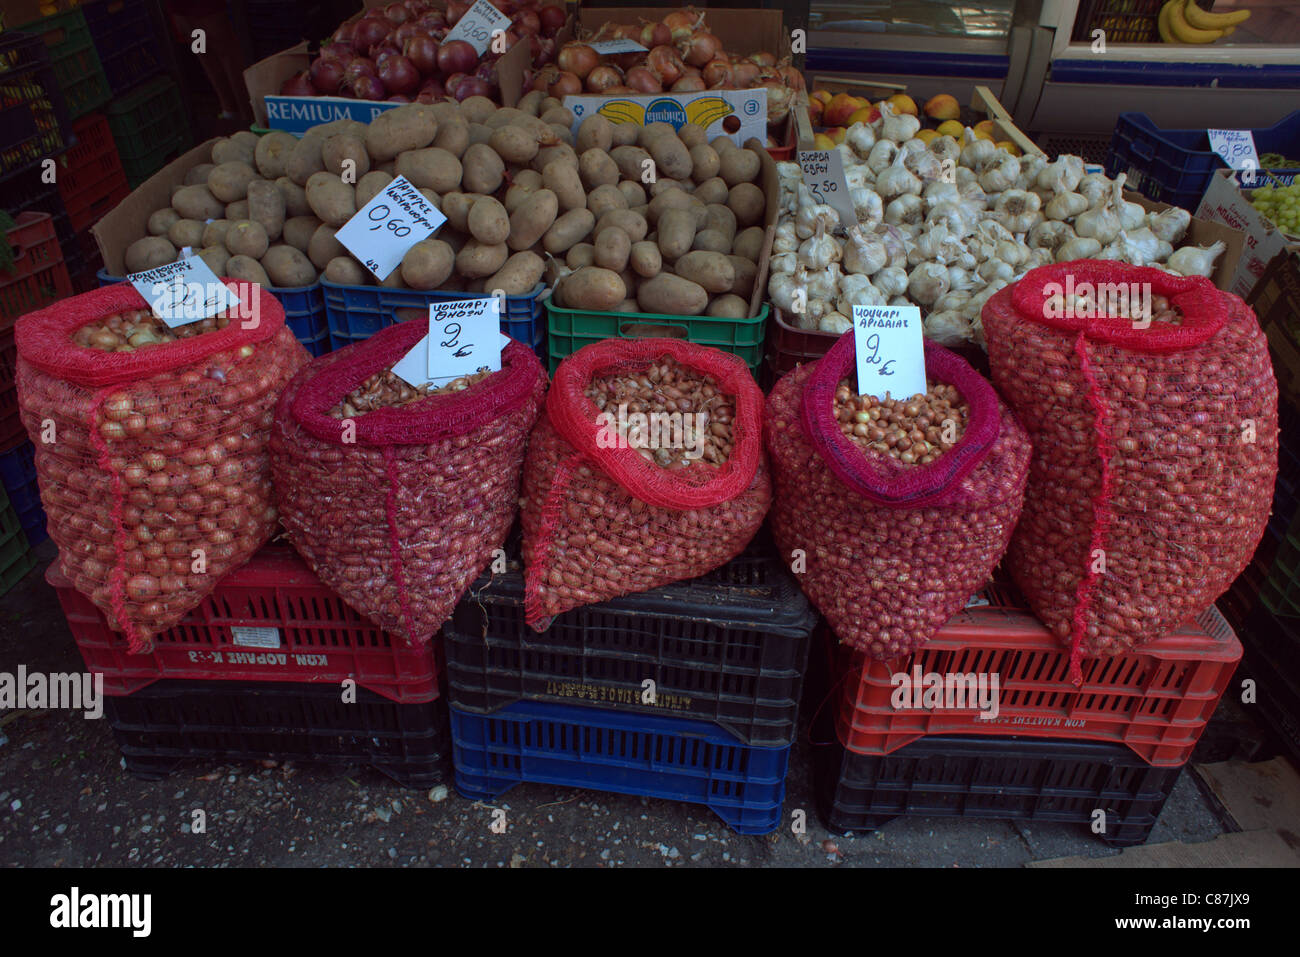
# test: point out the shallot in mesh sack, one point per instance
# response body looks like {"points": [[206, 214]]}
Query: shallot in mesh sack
{"points": [[892, 513], [614, 504], [151, 445], [394, 497], [1155, 445]]}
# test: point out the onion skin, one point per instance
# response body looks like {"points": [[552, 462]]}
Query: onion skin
{"points": [[457, 57], [603, 78], [564, 84], [641, 80], [578, 59], [688, 84], [298, 85]]}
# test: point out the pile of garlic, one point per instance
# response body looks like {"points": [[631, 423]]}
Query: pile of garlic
{"points": [[945, 225]]}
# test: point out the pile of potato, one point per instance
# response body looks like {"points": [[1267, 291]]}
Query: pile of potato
{"points": [[622, 217]]}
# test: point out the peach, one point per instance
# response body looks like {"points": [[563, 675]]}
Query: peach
{"points": [[1009, 146], [823, 142], [839, 109], [837, 134], [865, 115], [816, 108], [952, 128], [902, 103], [823, 95], [985, 126], [942, 107]]}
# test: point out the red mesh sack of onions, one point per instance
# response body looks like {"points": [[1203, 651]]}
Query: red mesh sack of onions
{"points": [[151, 445], [892, 546], [601, 516], [1155, 447], [400, 507]]}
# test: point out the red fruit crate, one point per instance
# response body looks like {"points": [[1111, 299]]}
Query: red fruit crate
{"points": [[270, 620], [37, 276], [90, 175], [1156, 699]]}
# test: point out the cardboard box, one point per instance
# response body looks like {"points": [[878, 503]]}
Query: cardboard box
{"points": [[741, 31], [1203, 232], [129, 219], [1224, 202]]}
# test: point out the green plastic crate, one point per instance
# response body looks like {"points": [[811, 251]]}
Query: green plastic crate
{"points": [[1280, 592], [16, 558], [74, 59], [149, 126], [568, 330]]}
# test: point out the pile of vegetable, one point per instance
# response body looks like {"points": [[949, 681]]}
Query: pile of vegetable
{"points": [[915, 430], [682, 57], [399, 53], [137, 328], [943, 225], [386, 390]]}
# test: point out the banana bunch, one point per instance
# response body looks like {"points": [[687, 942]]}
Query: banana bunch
{"points": [[1182, 21]]}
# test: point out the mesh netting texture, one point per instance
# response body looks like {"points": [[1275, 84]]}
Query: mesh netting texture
{"points": [[599, 522], [399, 509], [886, 551], [1155, 450], [152, 464]]}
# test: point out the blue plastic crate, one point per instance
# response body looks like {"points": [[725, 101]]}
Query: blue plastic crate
{"points": [[673, 758], [358, 312], [304, 312], [18, 476], [18, 467], [124, 37], [1176, 166]]}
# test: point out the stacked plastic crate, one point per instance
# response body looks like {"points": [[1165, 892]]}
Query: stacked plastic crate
{"points": [[271, 665], [688, 692], [985, 722]]}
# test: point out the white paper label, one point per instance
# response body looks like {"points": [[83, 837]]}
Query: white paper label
{"points": [[823, 174], [738, 114], [386, 227], [610, 47], [477, 26], [251, 637], [890, 351], [413, 368], [1237, 149], [464, 336], [183, 292]]}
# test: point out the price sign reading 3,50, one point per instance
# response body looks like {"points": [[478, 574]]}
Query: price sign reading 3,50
{"points": [[823, 174]]}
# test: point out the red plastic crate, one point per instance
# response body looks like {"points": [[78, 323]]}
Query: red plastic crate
{"points": [[318, 638], [1156, 700], [39, 276], [90, 175]]}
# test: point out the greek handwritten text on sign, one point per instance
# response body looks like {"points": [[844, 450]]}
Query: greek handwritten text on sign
{"points": [[183, 292], [890, 352], [382, 231]]}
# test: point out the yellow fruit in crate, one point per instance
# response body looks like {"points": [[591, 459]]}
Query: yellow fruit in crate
{"points": [[1009, 146], [839, 109], [823, 142], [823, 95], [864, 115], [982, 134], [902, 103], [943, 106], [925, 136], [984, 126], [837, 135], [953, 128]]}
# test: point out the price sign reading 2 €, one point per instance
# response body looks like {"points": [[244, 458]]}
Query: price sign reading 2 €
{"points": [[386, 227], [890, 351], [464, 336], [823, 174]]}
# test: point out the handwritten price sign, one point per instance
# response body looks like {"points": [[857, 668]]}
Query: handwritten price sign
{"points": [[610, 47], [477, 26], [184, 292], [890, 353], [464, 336], [823, 174], [386, 227], [1237, 149]]}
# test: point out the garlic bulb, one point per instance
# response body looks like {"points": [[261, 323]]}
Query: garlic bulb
{"points": [[951, 300], [867, 206], [1012, 252], [959, 280], [785, 240], [927, 282], [891, 281], [995, 268], [1017, 210], [864, 253], [907, 209], [1031, 167], [1196, 260], [939, 245], [1062, 175], [896, 180], [882, 156], [945, 148], [859, 176], [950, 216], [900, 301], [1171, 224], [825, 284], [835, 322], [924, 165], [1100, 223], [788, 288], [1094, 187], [819, 250], [857, 291], [940, 192], [1050, 234], [948, 328], [993, 231], [1066, 206], [975, 152], [1146, 246], [808, 218], [860, 138], [899, 127], [785, 262], [896, 243], [1131, 215], [1000, 173], [1082, 247]]}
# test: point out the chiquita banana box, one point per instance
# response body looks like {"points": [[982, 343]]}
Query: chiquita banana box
{"points": [[740, 114]]}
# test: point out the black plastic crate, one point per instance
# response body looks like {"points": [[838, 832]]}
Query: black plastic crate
{"points": [[169, 721], [730, 647], [1272, 658], [125, 40], [33, 114], [1023, 779]]}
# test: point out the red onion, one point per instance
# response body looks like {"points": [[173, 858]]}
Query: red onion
{"points": [[370, 32], [565, 84], [455, 10], [422, 51], [602, 78], [397, 13], [642, 80], [527, 23], [357, 68], [368, 88], [398, 74], [544, 52], [431, 91], [433, 22], [552, 17], [457, 56], [472, 86], [298, 85], [326, 75], [344, 33], [409, 29], [333, 50], [578, 59]]}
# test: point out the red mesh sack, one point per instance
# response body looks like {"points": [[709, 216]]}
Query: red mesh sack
{"points": [[603, 522], [147, 457], [1155, 452], [400, 520], [891, 551]]}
